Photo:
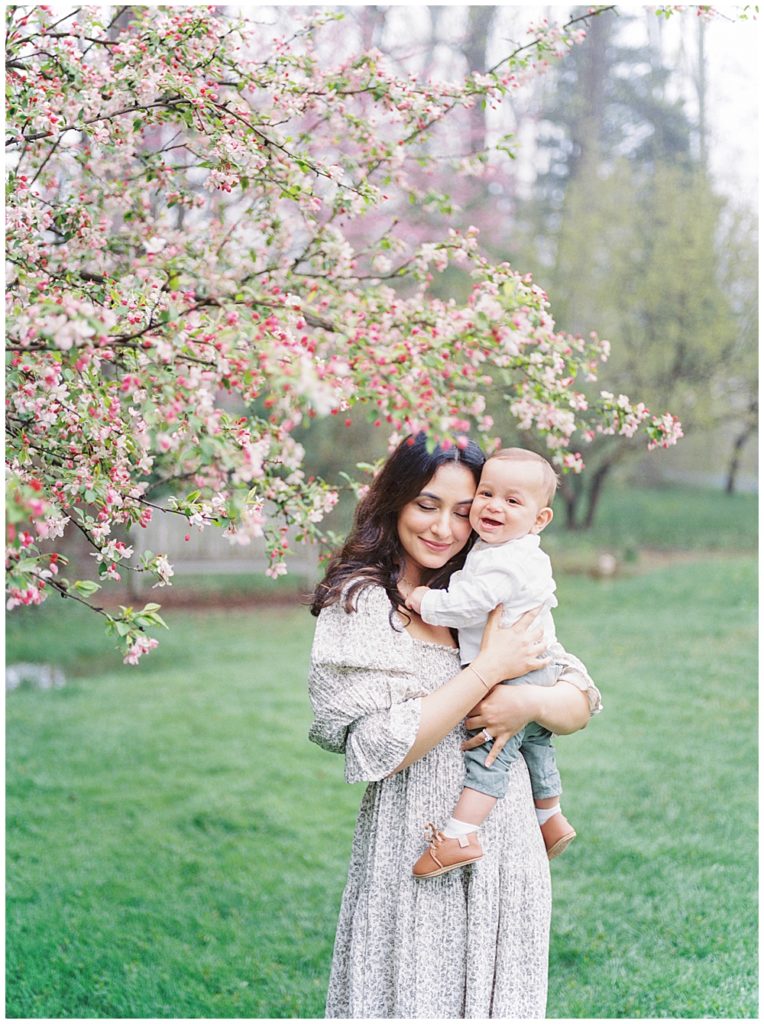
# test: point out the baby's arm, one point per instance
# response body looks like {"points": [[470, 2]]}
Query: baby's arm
{"points": [[469, 598], [414, 600]]}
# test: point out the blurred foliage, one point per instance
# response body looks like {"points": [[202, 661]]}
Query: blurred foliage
{"points": [[628, 233], [623, 227]]}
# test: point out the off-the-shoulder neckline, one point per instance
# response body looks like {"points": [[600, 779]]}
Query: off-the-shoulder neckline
{"points": [[425, 643], [433, 643]]}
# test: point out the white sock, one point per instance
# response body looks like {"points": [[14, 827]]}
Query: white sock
{"points": [[545, 813], [455, 828]]}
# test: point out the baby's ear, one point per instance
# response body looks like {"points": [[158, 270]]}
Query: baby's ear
{"points": [[543, 518]]}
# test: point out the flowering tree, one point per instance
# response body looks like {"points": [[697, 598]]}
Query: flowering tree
{"points": [[206, 251]]}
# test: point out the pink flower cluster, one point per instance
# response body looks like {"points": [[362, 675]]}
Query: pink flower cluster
{"points": [[204, 231], [140, 647]]}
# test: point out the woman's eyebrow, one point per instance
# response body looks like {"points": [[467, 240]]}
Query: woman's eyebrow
{"points": [[437, 497]]}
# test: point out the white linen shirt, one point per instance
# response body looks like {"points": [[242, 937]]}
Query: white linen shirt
{"points": [[517, 574]]}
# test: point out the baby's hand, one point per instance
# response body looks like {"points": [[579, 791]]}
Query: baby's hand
{"points": [[414, 600]]}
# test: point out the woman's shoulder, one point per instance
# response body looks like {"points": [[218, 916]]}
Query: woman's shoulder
{"points": [[360, 622], [360, 597]]}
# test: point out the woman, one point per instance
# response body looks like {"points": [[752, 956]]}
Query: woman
{"points": [[388, 692]]}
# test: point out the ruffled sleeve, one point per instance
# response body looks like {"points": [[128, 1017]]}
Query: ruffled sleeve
{"points": [[576, 673], [365, 697]]}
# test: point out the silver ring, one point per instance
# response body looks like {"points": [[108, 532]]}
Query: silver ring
{"points": [[488, 736]]}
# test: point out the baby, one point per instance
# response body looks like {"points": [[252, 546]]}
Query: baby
{"points": [[506, 565]]}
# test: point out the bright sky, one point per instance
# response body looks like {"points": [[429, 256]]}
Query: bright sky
{"points": [[735, 54]]}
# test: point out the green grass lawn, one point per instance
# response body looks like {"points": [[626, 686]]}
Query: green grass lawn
{"points": [[633, 521], [175, 847], [655, 909]]}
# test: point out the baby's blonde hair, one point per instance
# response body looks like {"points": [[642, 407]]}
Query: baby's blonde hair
{"points": [[549, 479]]}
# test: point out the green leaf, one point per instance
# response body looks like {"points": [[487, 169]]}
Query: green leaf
{"points": [[85, 587], [25, 565]]}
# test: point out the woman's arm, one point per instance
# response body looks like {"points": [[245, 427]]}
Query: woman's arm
{"points": [[563, 708], [502, 655]]}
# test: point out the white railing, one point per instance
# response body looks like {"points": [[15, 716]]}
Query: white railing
{"points": [[208, 551]]}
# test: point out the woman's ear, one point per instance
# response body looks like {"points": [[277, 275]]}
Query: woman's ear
{"points": [[543, 518]]}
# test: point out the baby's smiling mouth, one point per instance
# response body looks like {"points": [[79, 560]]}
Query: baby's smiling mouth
{"points": [[487, 521]]}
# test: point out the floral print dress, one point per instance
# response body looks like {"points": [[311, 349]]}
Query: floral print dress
{"points": [[470, 943]]}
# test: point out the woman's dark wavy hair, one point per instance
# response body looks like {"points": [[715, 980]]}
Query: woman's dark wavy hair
{"points": [[372, 553]]}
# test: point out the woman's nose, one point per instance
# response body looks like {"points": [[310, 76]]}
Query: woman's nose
{"points": [[442, 525]]}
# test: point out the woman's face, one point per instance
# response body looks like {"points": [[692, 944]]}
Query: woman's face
{"points": [[435, 526]]}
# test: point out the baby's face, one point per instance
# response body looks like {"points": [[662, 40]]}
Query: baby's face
{"points": [[510, 501]]}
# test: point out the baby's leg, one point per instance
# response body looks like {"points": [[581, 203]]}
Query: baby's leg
{"points": [[474, 807], [483, 785], [539, 754], [550, 801], [458, 844], [540, 757]]}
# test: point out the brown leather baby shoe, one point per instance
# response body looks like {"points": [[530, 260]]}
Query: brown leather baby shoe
{"points": [[444, 854], [558, 833]]}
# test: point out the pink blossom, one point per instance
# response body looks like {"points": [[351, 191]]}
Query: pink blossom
{"points": [[140, 350], [154, 244], [141, 646], [160, 565]]}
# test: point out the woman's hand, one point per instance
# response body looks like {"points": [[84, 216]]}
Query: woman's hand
{"points": [[506, 653], [503, 712], [562, 708]]}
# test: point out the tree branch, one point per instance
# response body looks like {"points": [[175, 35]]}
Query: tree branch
{"points": [[169, 102], [75, 597], [40, 169], [26, 39]]}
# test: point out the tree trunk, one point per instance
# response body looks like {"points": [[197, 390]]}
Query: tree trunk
{"points": [[475, 49], [595, 493], [737, 451], [587, 134], [432, 42], [581, 494], [571, 506], [570, 493], [371, 21], [702, 90]]}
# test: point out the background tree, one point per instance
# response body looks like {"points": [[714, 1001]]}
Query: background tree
{"points": [[737, 389], [655, 279], [625, 226], [160, 363]]}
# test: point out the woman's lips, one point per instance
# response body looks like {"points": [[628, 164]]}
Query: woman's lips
{"points": [[435, 547]]}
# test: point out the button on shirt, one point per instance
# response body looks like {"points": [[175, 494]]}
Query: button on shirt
{"points": [[517, 574]]}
